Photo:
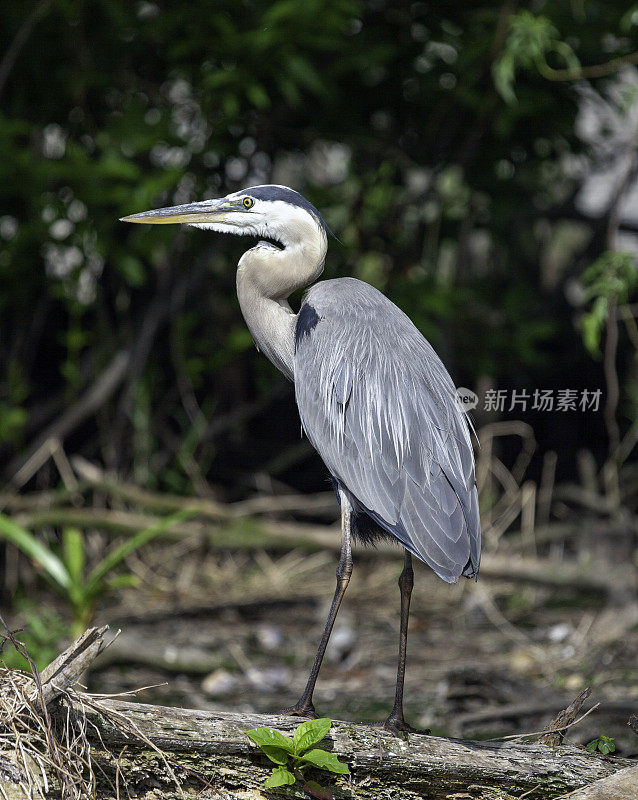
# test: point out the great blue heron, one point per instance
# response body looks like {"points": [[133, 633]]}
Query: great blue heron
{"points": [[374, 398]]}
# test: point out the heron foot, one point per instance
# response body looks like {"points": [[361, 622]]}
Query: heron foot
{"points": [[302, 708], [398, 727]]}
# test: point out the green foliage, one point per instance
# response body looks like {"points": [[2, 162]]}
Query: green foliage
{"points": [[603, 744], [42, 630], [530, 40], [280, 776], [292, 756], [12, 422], [43, 557], [324, 760], [385, 115], [66, 570], [610, 279], [310, 733]]}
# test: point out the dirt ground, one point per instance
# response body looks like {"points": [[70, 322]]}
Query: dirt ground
{"points": [[239, 631]]}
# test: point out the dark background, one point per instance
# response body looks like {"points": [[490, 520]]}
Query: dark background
{"points": [[458, 204], [477, 163]]}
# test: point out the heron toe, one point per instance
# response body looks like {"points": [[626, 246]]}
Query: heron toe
{"points": [[300, 709], [398, 727], [401, 728]]}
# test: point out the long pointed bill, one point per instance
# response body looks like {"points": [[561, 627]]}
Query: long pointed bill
{"points": [[206, 211]]}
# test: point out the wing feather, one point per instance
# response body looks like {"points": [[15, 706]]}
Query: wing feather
{"points": [[379, 407]]}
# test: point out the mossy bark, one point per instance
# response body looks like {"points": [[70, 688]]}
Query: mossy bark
{"points": [[211, 753]]}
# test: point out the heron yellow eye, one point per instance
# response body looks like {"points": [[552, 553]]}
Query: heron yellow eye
{"points": [[248, 202]]}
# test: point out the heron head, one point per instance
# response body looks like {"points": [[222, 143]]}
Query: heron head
{"points": [[273, 212]]}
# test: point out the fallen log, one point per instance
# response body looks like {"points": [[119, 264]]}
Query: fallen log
{"points": [[212, 749], [145, 751], [622, 785]]}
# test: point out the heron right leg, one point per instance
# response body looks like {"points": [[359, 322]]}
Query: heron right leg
{"points": [[304, 706], [396, 723]]}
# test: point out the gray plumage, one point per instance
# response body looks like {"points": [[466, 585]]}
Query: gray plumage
{"points": [[374, 399], [379, 407]]}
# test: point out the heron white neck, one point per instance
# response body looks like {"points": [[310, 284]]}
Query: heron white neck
{"points": [[266, 277]]}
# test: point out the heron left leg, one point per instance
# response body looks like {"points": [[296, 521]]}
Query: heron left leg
{"points": [[395, 723], [304, 706]]}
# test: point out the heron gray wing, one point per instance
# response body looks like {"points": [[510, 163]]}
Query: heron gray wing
{"points": [[378, 405]]}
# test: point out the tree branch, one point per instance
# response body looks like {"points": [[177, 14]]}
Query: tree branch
{"points": [[216, 750]]}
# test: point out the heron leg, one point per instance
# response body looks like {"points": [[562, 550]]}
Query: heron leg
{"points": [[304, 706], [395, 723]]}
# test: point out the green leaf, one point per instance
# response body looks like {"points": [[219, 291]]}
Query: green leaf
{"points": [[503, 77], [592, 324], [280, 776], [122, 581], [530, 39], [74, 555], [267, 737], [310, 733], [325, 760], [606, 745], [33, 548], [100, 572], [276, 754], [592, 746]]}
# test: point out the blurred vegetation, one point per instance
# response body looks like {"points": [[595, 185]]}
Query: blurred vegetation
{"points": [[42, 630], [67, 573], [439, 140]]}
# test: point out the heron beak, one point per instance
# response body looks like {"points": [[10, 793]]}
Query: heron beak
{"points": [[206, 211]]}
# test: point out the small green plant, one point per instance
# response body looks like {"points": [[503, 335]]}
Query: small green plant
{"points": [[293, 756], [67, 572], [604, 745]]}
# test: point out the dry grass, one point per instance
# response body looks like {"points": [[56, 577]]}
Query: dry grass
{"points": [[45, 751], [37, 748]]}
